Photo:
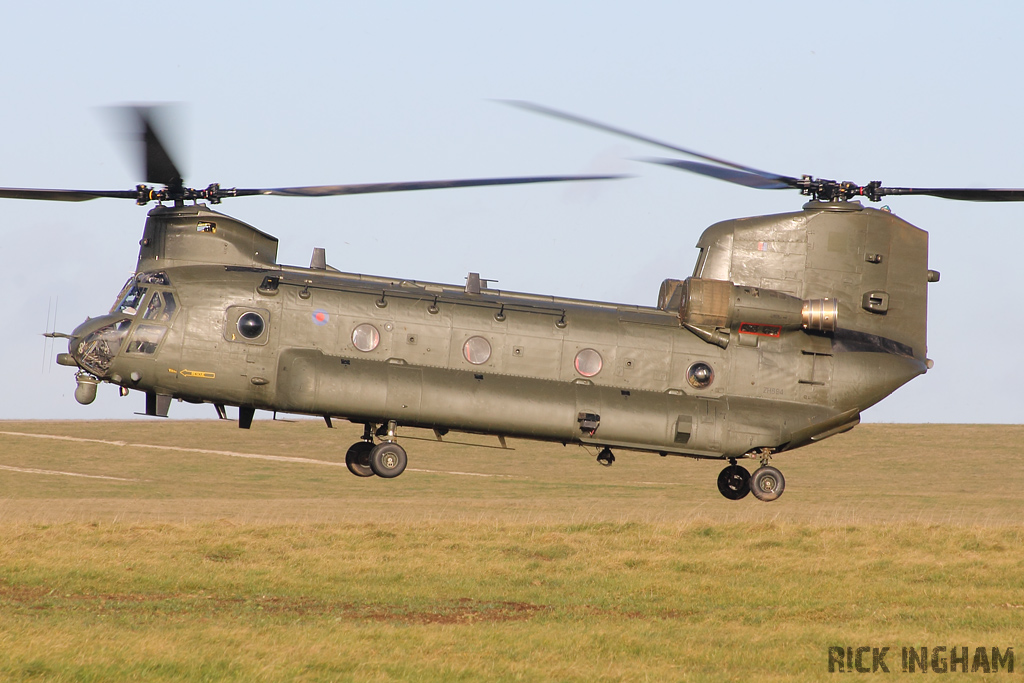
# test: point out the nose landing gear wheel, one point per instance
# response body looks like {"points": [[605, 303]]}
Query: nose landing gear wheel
{"points": [[605, 457], [734, 482], [767, 483], [388, 460], [358, 458]]}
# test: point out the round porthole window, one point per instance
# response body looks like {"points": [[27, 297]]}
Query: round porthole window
{"points": [[588, 362], [365, 337], [251, 325], [477, 350], [700, 375]]}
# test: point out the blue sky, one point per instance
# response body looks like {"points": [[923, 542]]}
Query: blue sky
{"points": [[921, 94]]}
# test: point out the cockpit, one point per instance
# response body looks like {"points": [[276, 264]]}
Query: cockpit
{"points": [[137, 322]]}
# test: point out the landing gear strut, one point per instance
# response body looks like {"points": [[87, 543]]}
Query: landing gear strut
{"points": [[605, 457]]}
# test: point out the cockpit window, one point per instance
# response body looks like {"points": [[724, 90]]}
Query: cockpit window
{"points": [[161, 307], [154, 307], [169, 307], [124, 291], [129, 303], [146, 339], [134, 291]]}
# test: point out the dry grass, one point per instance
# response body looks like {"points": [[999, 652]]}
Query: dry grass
{"points": [[213, 567], [961, 474]]}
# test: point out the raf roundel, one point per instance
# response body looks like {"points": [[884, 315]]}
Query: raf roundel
{"points": [[321, 317]]}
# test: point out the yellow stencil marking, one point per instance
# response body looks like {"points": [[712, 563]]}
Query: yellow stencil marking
{"points": [[197, 373]]}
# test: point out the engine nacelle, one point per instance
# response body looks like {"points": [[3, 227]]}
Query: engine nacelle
{"points": [[720, 304]]}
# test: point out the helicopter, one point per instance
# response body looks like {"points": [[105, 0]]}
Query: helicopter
{"points": [[789, 326]]}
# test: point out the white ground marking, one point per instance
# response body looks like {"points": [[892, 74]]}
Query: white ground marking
{"points": [[468, 474], [31, 470], [233, 454]]}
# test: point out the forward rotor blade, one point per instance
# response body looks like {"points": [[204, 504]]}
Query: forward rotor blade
{"points": [[65, 195], [371, 188], [728, 174], [962, 194], [159, 166], [548, 111]]}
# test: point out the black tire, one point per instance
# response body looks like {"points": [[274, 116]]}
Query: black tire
{"points": [[358, 459], [734, 482], [767, 483], [388, 460]]}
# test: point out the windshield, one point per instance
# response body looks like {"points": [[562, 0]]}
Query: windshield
{"points": [[129, 303], [134, 291]]}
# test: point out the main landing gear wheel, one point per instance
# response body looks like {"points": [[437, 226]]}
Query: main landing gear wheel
{"points": [[734, 482], [358, 459], [767, 483], [388, 459], [605, 457]]}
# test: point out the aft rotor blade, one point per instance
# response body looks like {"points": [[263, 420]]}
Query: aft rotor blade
{"points": [[548, 111], [728, 174], [963, 194], [64, 195], [371, 188]]}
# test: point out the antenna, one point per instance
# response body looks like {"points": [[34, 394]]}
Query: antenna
{"points": [[49, 330]]}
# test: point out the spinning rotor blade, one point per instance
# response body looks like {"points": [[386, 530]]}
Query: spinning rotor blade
{"points": [[728, 174], [159, 167], [371, 188], [818, 188], [64, 195], [547, 111], [963, 194], [215, 193]]}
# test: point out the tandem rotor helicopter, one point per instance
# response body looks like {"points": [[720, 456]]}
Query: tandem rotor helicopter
{"points": [[788, 328]]}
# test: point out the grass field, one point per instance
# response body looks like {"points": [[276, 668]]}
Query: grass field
{"points": [[186, 554]]}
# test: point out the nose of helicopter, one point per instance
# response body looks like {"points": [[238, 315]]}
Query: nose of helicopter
{"points": [[93, 344]]}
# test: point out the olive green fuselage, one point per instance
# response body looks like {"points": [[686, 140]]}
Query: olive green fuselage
{"points": [[448, 357]]}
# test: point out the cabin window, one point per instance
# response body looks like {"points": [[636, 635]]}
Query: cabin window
{"points": [[588, 362], [700, 375], [242, 324], [365, 337], [251, 325], [477, 350]]}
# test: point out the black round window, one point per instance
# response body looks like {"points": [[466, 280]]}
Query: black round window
{"points": [[250, 325], [700, 375]]}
